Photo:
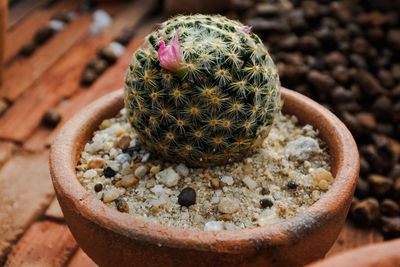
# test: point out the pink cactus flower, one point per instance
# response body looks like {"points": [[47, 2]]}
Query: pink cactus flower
{"points": [[171, 56], [246, 29]]}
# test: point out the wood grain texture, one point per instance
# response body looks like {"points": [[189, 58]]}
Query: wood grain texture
{"points": [[45, 244], [25, 192]]}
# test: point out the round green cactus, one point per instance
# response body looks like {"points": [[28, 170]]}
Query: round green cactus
{"points": [[207, 98]]}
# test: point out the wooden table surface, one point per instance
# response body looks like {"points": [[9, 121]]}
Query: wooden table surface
{"points": [[32, 228]]}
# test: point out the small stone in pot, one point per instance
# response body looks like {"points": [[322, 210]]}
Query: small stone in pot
{"points": [[121, 204], [187, 197], [228, 205], [98, 187], [292, 185], [109, 172], [266, 203]]}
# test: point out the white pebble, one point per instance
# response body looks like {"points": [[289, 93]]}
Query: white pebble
{"points": [[227, 179], [158, 188], [123, 158], [168, 177], [250, 183], [117, 48], [215, 200], [141, 171], [90, 173], [111, 195], [146, 157], [228, 205], [214, 226], [302, 148], [56, 25], [182, 169]]}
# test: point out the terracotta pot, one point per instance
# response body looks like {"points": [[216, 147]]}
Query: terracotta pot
{"points": [[112, 238], [195, 6], [386, 254]]}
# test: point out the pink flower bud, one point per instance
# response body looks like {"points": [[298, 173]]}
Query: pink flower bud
{"points": [[170, 56], [246, 29]]}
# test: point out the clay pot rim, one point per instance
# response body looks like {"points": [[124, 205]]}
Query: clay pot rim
{"points": [[66, 149]]}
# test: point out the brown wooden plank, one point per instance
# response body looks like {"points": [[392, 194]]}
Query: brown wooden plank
{"points": [[21, 9], [23, 32], [353, 237], [22, 73], [25, 192], [80, 259], [45, 244], [54, 211]]}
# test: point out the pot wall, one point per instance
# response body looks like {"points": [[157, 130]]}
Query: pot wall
{"points": [[113, 238]]}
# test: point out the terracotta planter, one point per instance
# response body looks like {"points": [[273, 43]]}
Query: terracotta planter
{"points": [[112, 238], [385, 254], [195, 6]]}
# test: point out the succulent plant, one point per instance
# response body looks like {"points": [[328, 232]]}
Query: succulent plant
{"points": [[207, 98]]}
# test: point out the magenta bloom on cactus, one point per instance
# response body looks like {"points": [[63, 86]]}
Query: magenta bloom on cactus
{"points": [[246, 29], [171, 56]]}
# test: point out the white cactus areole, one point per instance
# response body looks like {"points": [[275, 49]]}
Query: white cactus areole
{"points": [[202, 90]]}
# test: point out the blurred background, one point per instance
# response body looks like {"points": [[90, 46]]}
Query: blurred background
{"points": [[58, 55]]}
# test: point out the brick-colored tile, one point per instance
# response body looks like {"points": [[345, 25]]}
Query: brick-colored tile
{"points": [[62, 80], [80, 259], [352, 237], [54, 211], [31, 23], [23, 73], [45, 244], [25, 192], [7, 149]]}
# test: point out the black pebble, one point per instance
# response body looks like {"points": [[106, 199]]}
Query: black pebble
{"points": [[266, 203], [264, 191], [108, 172], [98, 187], [130, 150], [292, 185], [187, 197]]}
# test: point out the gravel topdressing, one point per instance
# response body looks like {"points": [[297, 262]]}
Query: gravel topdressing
{"points": [[290, 172]]}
